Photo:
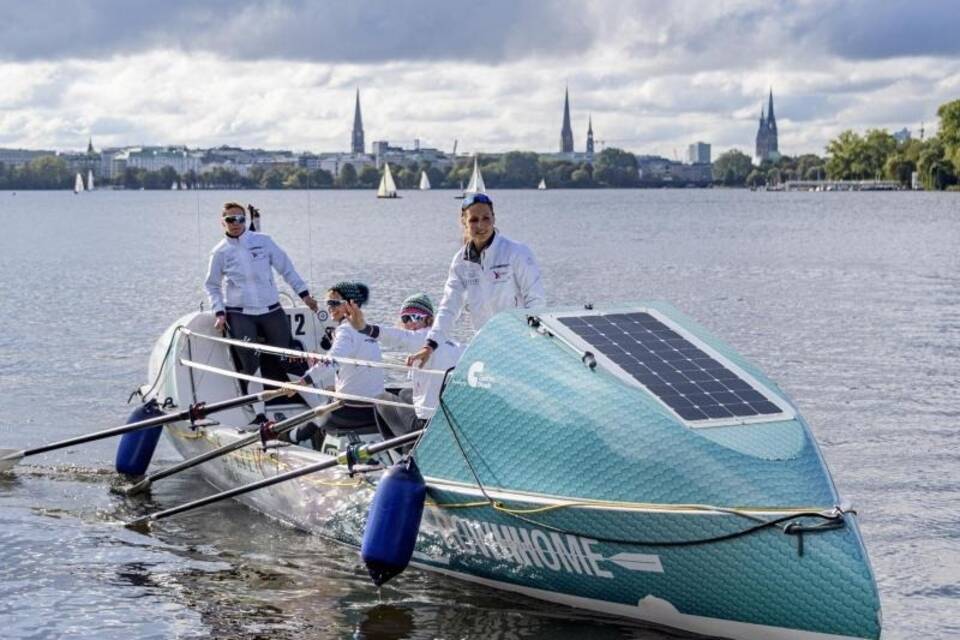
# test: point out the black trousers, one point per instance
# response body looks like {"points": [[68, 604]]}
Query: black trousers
{"points": [[273, 329]]}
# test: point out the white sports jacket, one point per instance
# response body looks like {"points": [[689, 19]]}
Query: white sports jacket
{"points": [[426, 386], [246, 263], [507, 277]]}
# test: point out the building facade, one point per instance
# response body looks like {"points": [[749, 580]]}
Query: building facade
{"points": [[767, 147], [698, 153]]}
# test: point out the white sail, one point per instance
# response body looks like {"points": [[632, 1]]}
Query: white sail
{"points": [[175, 186], [424, 181], [78, 184], [543, 184], [476, 180], [89, 180], [388, 188]]}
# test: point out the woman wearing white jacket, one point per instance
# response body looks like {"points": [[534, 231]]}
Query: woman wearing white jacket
{"points": [[356, 380], [489, 274], [416, 318]]}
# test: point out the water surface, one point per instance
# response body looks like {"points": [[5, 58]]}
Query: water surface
{"points": [[850, 301]]}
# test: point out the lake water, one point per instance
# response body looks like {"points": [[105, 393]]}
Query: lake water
{"points": [[850, 301]]}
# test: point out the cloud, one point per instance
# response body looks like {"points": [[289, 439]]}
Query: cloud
{"points": [[870, 30], [655, 76], [333, 31]]}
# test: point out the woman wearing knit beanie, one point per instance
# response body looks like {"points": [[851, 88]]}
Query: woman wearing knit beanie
{"points": [[349, 379], [416, 316]]}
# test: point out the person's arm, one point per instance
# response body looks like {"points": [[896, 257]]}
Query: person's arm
{"points": [[454, 293], [284, 266], [342, 347], [214, 286], [390, 337], [526, 274], [397, 339]]}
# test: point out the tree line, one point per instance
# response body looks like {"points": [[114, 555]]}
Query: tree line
{"points": [[516, 169], [873, 155]]}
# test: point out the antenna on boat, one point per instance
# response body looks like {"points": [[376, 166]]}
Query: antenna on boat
{"points": [[317, 323], [199, 251]]}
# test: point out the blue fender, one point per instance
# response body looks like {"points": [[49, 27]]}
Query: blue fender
{"points": [[136, 448], [393, 521]]}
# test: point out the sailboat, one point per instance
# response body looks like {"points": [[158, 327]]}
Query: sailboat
{"points": [[175, 186], [89, 180], [388, 188], [424, 181], [476, 180], [543, 184], [78, 184]]}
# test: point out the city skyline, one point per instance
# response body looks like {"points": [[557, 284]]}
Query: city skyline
{"points": [[653, 79]]}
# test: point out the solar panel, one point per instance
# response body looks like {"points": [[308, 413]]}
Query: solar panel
{"points": [[694, 384]]}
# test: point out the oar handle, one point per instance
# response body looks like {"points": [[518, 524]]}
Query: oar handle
{"points": [[361, 453], [196, 411]]}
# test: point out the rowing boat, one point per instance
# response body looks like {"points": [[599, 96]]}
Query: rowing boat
{"points": [[621, 460]]}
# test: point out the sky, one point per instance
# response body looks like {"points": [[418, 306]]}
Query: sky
{"points": [[654, 76]]}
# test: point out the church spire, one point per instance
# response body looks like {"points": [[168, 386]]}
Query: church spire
{"points": [[356, 141], [90, 150], [566, 133], [590, 134], [771, 120]]}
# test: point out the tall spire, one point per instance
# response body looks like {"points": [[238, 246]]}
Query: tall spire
{"points": [[566, 133], [90, 150], [590, 134], [771, 120], [356, 141]]}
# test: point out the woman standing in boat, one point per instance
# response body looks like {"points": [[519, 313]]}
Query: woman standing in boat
{"points": [[349, 379], [489, 274], [242, 291]]}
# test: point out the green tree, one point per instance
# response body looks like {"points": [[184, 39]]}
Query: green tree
{"points": [[615, 168], [369, 177], [949, 132], [46, 172], [297, 179], [846, 154], [520, 169], [347, 179], [407, 178], [732, 168], [898, 167], [320, 179], [934, 169], [273, 178], [756, 178]]}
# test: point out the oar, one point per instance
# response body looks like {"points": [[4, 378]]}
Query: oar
{"points": [[10, 457], [279, 428], [352, 455], [280, 351]]}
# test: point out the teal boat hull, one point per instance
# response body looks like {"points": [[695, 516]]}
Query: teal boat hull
{"points": [[565, 482]]}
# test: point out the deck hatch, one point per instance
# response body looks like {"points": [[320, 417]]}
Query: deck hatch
{"points": [[691, 382]]}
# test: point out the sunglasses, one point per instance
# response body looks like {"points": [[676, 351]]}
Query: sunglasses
{"points": [[412, 317], [333, 304], [475, 198], [235, 219]]}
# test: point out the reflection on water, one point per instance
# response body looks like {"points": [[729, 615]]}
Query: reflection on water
{"points": [[850, 301]]}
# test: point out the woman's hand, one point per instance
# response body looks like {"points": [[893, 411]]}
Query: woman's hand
{"points": [[420, 358], [355, 316]]}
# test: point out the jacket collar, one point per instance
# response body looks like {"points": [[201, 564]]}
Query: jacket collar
{"points": [[470, 252]]}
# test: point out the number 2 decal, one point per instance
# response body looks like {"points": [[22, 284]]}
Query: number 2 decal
{"points": [[299, 320]]}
